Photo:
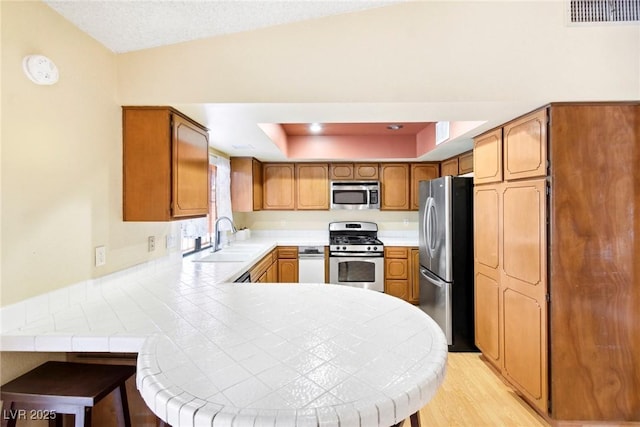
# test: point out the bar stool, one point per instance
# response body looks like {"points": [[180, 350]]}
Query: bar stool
{"points": [[55, 388]]}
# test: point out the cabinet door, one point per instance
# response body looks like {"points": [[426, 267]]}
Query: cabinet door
{"points": [[395, 268], [525, 147], [397, 288], [246, 184], [146, 146], [287, 270], [190, 169], [312, 182], [272, 273], [421, 172], [450, 167], [365, 171], [256, 184], [487, 158], [340, 171], [395, 186], [487, 304], [524, 287], [414, 272], [465, 163], [278, 186]]}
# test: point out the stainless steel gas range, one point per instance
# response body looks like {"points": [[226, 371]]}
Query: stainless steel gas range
{"points": [[356, 256]]}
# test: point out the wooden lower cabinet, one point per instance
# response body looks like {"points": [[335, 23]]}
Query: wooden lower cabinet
{"points": [[400, 277], [487, 304], [523, 283], [510, 283], [288, 264], [279, 266], [414, 271]]}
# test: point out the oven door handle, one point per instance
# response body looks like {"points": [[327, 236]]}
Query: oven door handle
{"points": [[356, 255]]}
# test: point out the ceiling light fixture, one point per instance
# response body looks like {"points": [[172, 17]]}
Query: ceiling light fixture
{"points": [[315, 127], [395, 126], [40, 69]]}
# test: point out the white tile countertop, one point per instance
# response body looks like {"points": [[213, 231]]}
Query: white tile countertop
{"points": [[224, 354], [291, 355], [118, 312]]}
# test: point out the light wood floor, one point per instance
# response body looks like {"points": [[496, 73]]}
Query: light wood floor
{"points": [[473, 395]]}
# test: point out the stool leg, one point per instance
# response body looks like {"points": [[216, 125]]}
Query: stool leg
{"points": [[83, 417], [122, 406], [56, 422], [415, 420], [12, 415]]}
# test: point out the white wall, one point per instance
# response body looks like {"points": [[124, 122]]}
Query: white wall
{"points": [[424, 51], [61, 160]]}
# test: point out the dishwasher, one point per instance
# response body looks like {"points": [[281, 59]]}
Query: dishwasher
{"points": [[311, 264]]}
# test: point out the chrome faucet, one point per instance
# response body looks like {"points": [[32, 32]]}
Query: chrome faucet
{"points": [[216, 232]]}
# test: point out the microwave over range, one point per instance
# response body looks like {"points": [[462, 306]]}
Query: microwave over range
{"points": [[355, 195]]}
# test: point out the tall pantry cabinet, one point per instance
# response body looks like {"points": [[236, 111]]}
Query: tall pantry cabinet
{"points": [[557, 281]]}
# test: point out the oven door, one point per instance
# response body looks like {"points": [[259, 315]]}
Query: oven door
{"points": [[357, 271]]}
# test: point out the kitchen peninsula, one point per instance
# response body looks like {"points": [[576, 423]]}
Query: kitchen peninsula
{"points": [[208, 349]]}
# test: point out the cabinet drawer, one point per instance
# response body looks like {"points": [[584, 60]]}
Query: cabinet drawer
{"points": [[396, 252], [287, 252]]}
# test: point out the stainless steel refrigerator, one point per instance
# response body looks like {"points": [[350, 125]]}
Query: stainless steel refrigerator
{"points": [[446, 257]]}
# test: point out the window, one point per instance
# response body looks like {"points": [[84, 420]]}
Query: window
{"points": [[197, 234]]}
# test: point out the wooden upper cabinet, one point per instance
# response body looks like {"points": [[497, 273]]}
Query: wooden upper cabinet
{"points": [[525, 147], [421, 172], [465, 163], [354, 171], [278, 186], [487, 157], [449, 167], [312, 182], [165, 165], [246, 184], [365, 171], [341, 171], [394, 180]]}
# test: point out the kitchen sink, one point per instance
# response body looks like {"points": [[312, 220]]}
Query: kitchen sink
{"points": [[226, 256]]}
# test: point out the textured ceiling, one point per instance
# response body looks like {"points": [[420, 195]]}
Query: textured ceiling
{"points": [[128, 25]]}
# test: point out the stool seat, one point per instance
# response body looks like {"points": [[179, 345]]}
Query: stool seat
{"points": [[67, 388]]}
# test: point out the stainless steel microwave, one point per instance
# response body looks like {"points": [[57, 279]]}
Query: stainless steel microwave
{"points": [[355, 195]]}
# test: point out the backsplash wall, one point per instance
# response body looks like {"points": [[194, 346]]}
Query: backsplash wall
{"points": [[319, 220]]}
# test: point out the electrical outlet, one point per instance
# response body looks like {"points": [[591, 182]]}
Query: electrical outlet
{"points": [[171, 241], [101, 256], [152, 243]]}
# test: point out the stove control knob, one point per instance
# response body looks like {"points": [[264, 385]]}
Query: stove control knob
{"points": [[368, 248], [344, 248], [375, 248]]}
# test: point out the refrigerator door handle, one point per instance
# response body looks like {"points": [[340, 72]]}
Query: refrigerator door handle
{"points": [[434, 280], [428, 226]]}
